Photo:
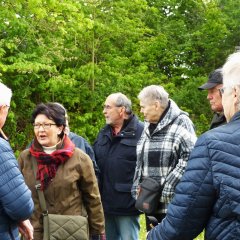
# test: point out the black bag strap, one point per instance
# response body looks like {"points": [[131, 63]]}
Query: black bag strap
{"points": [[42, 202]]}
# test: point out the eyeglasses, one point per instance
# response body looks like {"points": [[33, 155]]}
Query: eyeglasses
{"points": [[108, 107], [6, 106], [221, 90], [44, 125]]}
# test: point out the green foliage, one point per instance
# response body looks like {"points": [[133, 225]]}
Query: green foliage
{"points": [[78, 52]]}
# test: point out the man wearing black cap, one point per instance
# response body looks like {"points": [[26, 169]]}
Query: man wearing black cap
{"points": [[214, 96]]}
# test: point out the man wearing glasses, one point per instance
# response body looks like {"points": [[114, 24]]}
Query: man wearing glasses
{"points": [[214, 96], [115, 152]]}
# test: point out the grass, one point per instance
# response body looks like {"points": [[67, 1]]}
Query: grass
{"points": [[143, 233]]}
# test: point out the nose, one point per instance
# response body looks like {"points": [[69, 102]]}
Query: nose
{"points": [[209, 96]]}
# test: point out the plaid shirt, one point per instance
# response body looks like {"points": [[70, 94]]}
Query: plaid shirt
{"points": [[163, 155]]}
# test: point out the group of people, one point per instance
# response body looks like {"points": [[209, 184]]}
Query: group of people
{"points": [[199, 177]]}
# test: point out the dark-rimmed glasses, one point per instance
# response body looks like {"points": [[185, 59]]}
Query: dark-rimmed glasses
{"points": [[44, 125]]}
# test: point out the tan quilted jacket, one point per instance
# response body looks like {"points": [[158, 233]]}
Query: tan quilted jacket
{"points": [[75, 182]]}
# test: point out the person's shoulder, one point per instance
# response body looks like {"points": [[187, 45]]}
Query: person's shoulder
{"points": [[223, 133], [75, 137], [72, 135], [25, 153], [4, 142], [5, 146], [81, 158], [137, 121], [79, 153], [104, 131]]}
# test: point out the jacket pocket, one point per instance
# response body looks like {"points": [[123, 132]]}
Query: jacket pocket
{"points": [[129, 142], [122, 197]]}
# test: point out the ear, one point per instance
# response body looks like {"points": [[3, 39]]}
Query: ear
{"points": [[122, 111], [60, 129], [236, 95], [157, 105]]}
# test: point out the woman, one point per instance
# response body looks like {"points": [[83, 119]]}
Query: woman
{"points": [[164, 147], [66, 173]]}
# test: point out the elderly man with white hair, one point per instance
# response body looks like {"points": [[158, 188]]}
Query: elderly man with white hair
{"points": [[208, 195], [164, 147], [16, 204]]}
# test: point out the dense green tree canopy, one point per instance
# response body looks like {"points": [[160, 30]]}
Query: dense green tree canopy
{"points": [[77, 52]]}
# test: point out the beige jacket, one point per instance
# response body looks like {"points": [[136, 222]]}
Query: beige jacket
{"points": [[75, 182]]}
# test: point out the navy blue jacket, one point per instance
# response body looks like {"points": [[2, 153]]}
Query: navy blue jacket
{"points": [[15, 198], [116, 159], [82, 143], [208, 195]]}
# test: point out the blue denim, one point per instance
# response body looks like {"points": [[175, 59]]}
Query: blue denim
{"points": [[122, 227]]}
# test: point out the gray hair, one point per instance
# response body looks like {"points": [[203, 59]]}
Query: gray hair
{"points": [[231, 73], [123, 101], [154, 93], [6, 95]]}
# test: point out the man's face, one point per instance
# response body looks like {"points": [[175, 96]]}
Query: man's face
{"points": [[151, 110], [112, 113], [215, 98]]}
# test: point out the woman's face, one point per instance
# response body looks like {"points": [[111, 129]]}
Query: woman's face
{"points": [[46, 134]]}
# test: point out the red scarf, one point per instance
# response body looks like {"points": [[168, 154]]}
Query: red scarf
{"points": [[48, 163]]}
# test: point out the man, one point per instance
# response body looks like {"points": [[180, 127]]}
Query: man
{"points": [[115, 151], [16, 204], [164, 147], [208, 193], [213, 85]]}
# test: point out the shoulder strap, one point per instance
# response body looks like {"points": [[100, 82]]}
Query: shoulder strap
{"points": [[42, 201]]}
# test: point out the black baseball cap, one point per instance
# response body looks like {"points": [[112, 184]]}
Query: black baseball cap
{"points": [[214, 78]]}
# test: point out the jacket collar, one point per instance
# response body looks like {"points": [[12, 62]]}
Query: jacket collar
{"points": [[172, 113], [235, 117], [129, 128]]}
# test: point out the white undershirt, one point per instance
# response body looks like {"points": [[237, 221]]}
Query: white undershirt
{"points": [[51, 149]]}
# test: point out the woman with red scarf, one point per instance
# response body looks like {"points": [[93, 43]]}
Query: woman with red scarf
{"points": [[66, 173]]}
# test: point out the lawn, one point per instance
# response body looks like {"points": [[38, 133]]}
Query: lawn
{"points": [[142, 235]]}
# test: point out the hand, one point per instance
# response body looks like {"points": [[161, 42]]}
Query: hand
{"points": [[26, 229], [138, 191]]}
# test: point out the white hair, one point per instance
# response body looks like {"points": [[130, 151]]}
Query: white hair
{"points": [[154, 93], [5, 95], [231, 70], [231, 74]]}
